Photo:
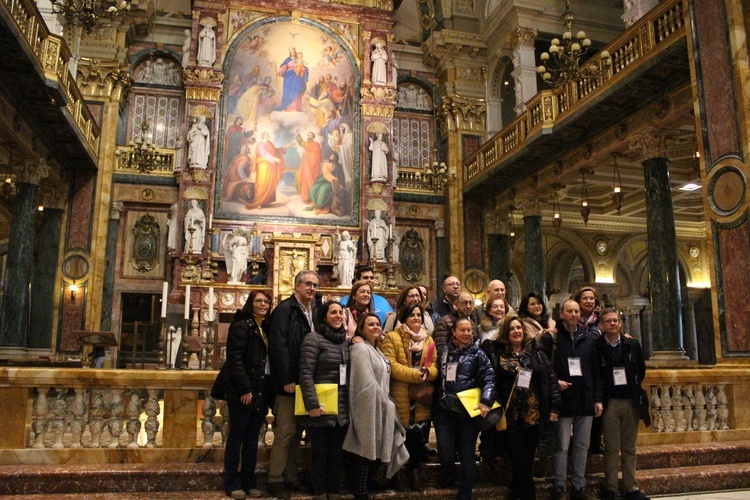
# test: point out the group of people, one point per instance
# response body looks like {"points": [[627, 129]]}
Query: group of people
{"points": [[367, 381]]}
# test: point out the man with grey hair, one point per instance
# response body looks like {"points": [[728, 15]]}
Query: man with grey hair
{"points": [[464, 309], [290, 321]]}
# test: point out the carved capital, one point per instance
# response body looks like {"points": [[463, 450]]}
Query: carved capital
{"points": [[203, 75], [203, 93], [466, 113], [653, 143], [109, 79], [440, 228], [115, 210], [531, 206], [523, 37], [447, 46], [54, 198], [31, 171], [496, 223]]}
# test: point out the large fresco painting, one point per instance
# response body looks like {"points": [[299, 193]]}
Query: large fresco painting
{"points": [[289, 127]]}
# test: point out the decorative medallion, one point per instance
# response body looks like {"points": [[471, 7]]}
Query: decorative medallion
{"points": [[227, 298], [147, 194], [726, 190], [411, 255], [601, 246], [75, 267], [145, 253], [694, 252]]}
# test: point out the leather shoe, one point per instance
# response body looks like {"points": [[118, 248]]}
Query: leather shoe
{"points": [[278, 490], [636, 495], [560, 494], [295, 485], [580, 495], [237, 494]]}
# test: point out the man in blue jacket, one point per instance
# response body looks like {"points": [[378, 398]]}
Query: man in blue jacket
{"points": [[380, 305]]}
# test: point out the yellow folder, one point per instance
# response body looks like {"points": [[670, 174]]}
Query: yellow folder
{"points": [[328, 398], [470, 399]]}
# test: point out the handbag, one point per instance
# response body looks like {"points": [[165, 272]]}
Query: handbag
{"points": [[502, 424], [423, 392]]}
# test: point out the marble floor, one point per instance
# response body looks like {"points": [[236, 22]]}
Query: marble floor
{"points": [[718, 495]]}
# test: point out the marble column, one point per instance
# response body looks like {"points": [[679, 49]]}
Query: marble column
{"points": [[498, 244], [533, 254], [635, 325], [14, 326], [45, 270], [691, 335], [646, 332], [110, 259], [440, 257], [524, 65], [664, 278]]}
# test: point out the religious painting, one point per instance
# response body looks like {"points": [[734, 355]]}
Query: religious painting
{"points": [[288, 132]]}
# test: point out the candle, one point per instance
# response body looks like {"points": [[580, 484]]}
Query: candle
{"points": [[390, 231], [187, 302], [210, 315], [164, 291], [210, 221]]}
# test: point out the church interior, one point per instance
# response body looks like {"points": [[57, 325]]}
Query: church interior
{"points": [[161, 159]]}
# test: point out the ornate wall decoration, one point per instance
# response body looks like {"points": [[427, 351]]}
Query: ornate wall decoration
{"points": [[146, 236], [287, 146], [411, 250]]}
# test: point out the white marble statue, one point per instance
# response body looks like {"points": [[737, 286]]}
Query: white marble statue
{"points": [[186, 49], [200, 144], [379, 57], [206, 47], [172, 227], [377, 229], [195, 218], [236, 250], [346, 250], [379, 148]]}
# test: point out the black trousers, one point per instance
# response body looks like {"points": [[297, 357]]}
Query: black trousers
{"points": [[326, 465], [522, 443]]}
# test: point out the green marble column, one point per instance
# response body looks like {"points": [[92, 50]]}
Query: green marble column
{"points": [[108, 287], [533, 255], [43, 291]]}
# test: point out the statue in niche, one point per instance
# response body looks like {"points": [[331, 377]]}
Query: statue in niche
{"points": [[172, 227], [346, 250], [196, 219], [377, 237], [186, 49], [411, 256], [236, 250], [379, 57], [200, 143], [207, 45], [379, 170]]}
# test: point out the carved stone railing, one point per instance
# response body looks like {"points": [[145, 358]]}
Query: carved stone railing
{"points": [[53, 56], [656, 30]]}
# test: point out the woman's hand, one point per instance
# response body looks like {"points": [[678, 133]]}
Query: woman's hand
{"points": [[553, 417], [483, 409], [246, 399], [357, 340], [316, 412], [424, 374]]}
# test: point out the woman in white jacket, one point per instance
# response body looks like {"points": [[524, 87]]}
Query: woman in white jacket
{"points": [[375, 432]]}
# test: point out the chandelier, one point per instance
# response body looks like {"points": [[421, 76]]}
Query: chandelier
{"points": [[88, 14], [142, 156], [556, 214], [562, 63], [617, 194], [436, 177], [585, 208]]}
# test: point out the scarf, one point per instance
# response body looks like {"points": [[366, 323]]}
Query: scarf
{"points": [[259, 322], [461, 346], [356, 313], [416, 343], [334, 336], [591, 320]]}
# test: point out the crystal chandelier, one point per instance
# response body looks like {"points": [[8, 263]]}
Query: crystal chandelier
{"points": [[436, 177], [562, 63], [88, 14], [142, 156]]}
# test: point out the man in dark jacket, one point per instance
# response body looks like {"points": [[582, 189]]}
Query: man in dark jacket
{"points": [[451, 289], [625, 403], [290, 322], [464, 309], [576, 363]]}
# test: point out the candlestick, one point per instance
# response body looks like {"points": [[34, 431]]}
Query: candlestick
{"points": [[164, 291], [187, 302]]}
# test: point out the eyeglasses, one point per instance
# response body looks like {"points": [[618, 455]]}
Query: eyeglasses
{"points": [[610, 321], [466, 303], [311, 284], [456, 283], [261, 301]]}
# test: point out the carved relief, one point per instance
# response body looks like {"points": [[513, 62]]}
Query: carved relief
{"points": [[411, 255], [145, 255], [109, 79]]}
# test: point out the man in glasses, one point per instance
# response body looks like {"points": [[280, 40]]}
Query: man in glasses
{"points": [[464, 309], [380, 305], [290, 322], [625, 403], [451, 288]]}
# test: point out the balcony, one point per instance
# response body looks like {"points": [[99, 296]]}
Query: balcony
{"points": [[35, 76]]}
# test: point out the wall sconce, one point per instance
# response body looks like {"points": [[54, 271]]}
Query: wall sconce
{"points": [[73, 290], [556, 215], [512, 228], [617, 195]]}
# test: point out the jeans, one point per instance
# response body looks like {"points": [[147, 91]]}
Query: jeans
{"points": [[581, 434], [456, 435], [286, 438], [245, 422], [521, 443], [326, 459]]}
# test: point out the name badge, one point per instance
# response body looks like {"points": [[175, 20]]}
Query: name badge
{"points": [[342, 374], [450, 373], [619, 374], [574, 367], [524, 378]]}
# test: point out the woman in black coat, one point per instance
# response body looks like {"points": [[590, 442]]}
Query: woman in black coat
{"points": [[535, 402], [324, 359], [245, 383]]}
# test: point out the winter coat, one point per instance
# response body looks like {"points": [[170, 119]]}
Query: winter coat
{"points": [[288, 326], [321, 357], [396, 350], [635, 371], [579, 398], [445, 325], [245, 368], [375, 432], [473, 369], [543, 379]]}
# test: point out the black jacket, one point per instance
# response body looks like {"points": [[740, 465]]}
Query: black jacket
{"points": [[321, 357], [579, 398], [245, 368], [288, 327], [543, 379], [443, 328], [473, 370], [635, 371], [441, 307]]}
